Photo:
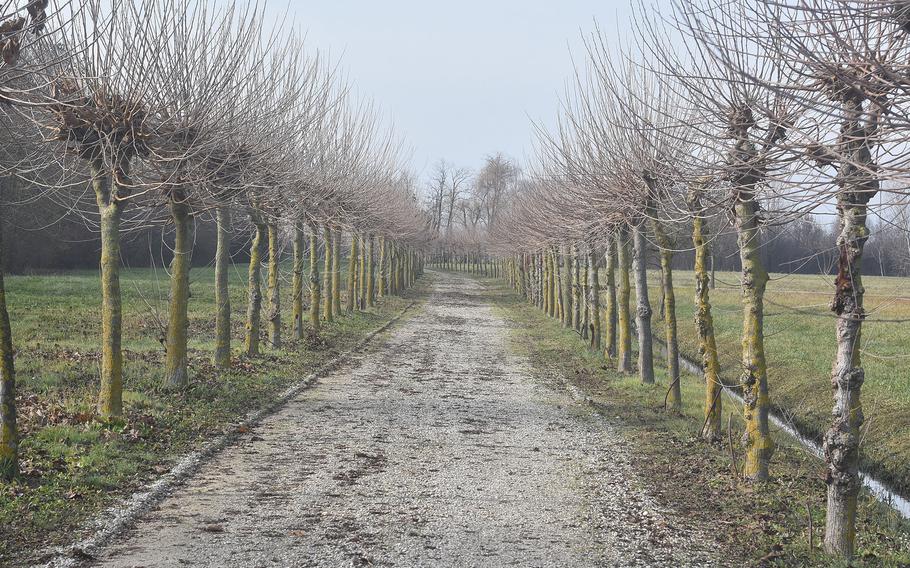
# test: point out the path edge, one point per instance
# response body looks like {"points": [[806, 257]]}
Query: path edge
{"points": [[121, 516]]}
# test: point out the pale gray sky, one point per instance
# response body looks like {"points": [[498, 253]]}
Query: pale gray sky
{"points": [[460, 79]]}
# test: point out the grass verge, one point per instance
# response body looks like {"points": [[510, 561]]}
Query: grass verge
{"points": [[73, 466], [753, 525]]}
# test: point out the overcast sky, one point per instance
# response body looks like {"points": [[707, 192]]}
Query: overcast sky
{"points": [[460, 79]]}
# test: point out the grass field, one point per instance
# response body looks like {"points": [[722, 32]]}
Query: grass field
{"points": [[73, 465], [765, 525], [800, 343]]}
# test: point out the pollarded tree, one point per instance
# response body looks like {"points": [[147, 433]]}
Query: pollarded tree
{"points": [[99, 111], [846, 70], [201, 71], [21, 28], [707, 75]]}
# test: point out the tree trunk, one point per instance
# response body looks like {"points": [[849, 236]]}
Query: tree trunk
{"points": [[567, 297], [222, 357], [841, 442], [704, 325], [757, 437], [362, 280], [371, 275], [399, 269], [381, 273], [274, 284], [624, 316], [254, 289], [336, 272], [297, 281], [610, 349], [315, 284], [594, 298], [176, 369], [577, 290], [674, 398], [328, 275], [643, 311], [352, 275], [110, 401], [9, 433]]}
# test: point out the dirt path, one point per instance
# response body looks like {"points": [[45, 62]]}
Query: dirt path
{"points": [[437, 448]]}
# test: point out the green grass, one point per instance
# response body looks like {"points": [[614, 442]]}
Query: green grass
{"points": [[747, 522], [73, 465], [800, 346]]}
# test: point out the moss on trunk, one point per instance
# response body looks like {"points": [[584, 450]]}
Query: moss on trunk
{"points": [[176, 369], [222, 356]]}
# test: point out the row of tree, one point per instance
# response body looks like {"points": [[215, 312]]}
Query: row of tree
{"points": [[753, 114], [143, 113]]}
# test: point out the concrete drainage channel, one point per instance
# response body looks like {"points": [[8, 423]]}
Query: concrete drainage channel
{"points": [[877, 488], [113, 521]]}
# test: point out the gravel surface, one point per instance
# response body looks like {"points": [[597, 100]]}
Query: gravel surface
{"points": [[436, 447]]}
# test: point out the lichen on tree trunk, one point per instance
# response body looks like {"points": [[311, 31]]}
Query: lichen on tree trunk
{"points": [[110, 400], [371, 272], [668, 296], [568, 309], [624, 316], [610, 322], [577, 290], [352, 275], [757, 440], [336, 271], [362, 279], [328, 276], [704, 325], [274, 287], [381, 273], [299, 246], [254, 287], [176, 370], [594, 298], [222, 356], [315, 284]]}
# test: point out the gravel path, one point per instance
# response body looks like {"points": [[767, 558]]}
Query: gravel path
{"points": [[438, 447]]}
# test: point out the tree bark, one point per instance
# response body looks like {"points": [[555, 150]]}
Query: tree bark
{"points": [[352, 275], [328, 275], [222, 357], [315, 284], [643, 311], [274, 287], [336, 271], [624, 316], [254, 288], [857, 186], [674, 396], [297, 280], [611, 308], [757, 404], [110, 400], [362, 279], [704, 325], [176, 369], [381, 273], [9, 433], [594, 298], [371, 276]]}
